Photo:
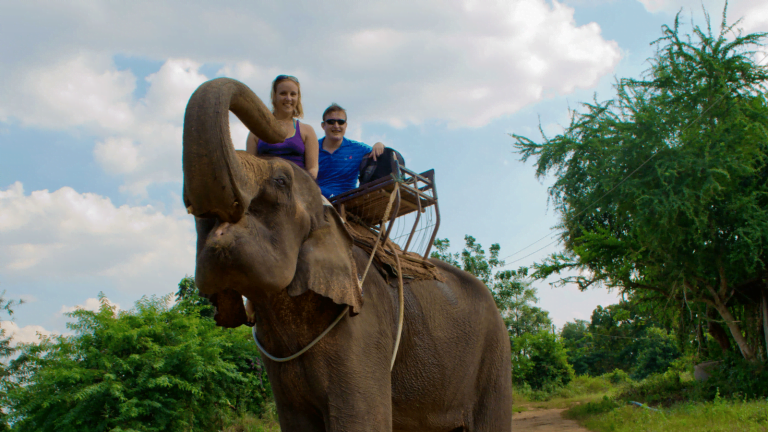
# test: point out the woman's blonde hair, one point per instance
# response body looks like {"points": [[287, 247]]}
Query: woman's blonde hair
{"points": [[298, 111]]}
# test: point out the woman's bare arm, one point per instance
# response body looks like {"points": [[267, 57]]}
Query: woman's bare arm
{"points": [[251, 143], [311, 149]]}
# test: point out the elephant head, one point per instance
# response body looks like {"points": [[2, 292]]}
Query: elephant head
{"points": [[261, 224]]}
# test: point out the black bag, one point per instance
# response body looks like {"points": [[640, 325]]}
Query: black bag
{"points": [[386, 164]]}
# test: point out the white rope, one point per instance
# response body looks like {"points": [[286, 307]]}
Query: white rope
{"points": [[343, 313]]}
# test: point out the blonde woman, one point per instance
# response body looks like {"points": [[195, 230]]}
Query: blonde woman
{"points": [[300, 146]]}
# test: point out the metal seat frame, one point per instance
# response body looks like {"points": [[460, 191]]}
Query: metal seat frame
{"points": [[415, 192]]}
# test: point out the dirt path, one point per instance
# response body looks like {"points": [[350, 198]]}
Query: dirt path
{"points": [[544, 420]]}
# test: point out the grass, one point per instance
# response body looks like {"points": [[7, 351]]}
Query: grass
{"points": [[727, 416], [677, 403], [268, 422], [580, 390]]}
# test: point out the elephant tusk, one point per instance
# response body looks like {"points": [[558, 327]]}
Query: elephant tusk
{"points": [[190, 210]]}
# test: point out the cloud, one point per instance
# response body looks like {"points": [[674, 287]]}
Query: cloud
{"points": [[754, 13], [67, 235], [92, 304], [26, 334], [460, 63], [85, 90]]}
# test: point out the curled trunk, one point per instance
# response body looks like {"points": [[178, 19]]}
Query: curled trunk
{"points": [[215, 183]]}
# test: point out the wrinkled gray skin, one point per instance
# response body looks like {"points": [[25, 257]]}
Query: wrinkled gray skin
{"points": [[263, 233]]}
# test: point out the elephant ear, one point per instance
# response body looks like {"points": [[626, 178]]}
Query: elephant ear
{"points": [[326, 265]]}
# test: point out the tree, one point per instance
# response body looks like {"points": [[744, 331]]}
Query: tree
{"points": [[540, 360], [623, 336], [157, 367], [663, 189], [7, 350]]}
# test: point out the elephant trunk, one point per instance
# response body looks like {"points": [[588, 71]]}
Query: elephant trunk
{"points": [[215, 182]]}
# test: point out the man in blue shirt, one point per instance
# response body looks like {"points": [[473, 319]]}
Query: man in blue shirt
{"points": [[340, 158]]}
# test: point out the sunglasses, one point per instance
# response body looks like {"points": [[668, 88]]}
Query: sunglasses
{"points": [[335, 121], [286, 77]]}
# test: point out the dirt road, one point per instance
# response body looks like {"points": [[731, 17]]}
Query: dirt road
{"points": [[544, 420]]}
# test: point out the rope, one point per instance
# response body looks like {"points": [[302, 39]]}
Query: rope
{"points": [[401, 308], [306, 348], [343, 313]]}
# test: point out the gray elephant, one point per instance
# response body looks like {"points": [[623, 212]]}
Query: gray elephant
{"points": [[264, 233]]}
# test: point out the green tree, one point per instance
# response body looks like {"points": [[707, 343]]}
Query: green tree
{"points": [[8, 379], [663, 189], [540, 360], [623, 336], [156, 367]]}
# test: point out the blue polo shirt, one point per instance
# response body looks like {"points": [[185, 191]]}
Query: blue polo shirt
{"points": [[338, 171]]}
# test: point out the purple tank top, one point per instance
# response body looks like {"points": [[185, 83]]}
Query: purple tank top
{"points": [[292, 149]]}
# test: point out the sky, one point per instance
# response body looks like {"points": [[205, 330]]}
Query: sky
{"points": [[92, 98]]}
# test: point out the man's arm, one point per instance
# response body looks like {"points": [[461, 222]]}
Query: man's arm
{"points": [[377, 150]]}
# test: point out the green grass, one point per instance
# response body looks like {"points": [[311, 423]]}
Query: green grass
{"points": [[268, 422], [580, 390], [727, 416]]}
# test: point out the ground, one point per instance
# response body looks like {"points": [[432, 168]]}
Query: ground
{"points": [[544, 420]]}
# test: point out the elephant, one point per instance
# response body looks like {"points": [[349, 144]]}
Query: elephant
{"points": [[264, 233]]}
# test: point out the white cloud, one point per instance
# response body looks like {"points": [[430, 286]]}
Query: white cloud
{"points": [[754, 13], [26, 334], [117, 155], [85, 89], [92, 304], [461, 63], [68, 235]]}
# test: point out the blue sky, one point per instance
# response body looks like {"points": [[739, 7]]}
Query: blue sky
{"points": [[92, 98]]}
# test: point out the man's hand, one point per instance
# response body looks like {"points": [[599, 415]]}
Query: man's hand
{"points": [[377, 150]]}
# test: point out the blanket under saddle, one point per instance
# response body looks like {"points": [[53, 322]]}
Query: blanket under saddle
{"points": [[413, 266]]}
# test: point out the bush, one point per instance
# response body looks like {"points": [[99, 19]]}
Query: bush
{"points": [[737, 378], [665, 389], [604, 405], [153, 368], [540, 361], [618, 376], [656, 352]]}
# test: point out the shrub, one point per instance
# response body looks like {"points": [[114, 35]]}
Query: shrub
{"points": [[540, 361], [153, 368], [618, 376]]}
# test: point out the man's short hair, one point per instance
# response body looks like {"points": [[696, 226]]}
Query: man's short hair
{"points": [[332, 109]]}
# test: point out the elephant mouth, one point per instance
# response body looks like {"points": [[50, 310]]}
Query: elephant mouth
{"points": [[230, 308]]}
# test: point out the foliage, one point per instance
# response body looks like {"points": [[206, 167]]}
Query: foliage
{"points": [[156, 367], [7, 372], [737, 378], [618, 376], [619, 337], [663, 189], [603, 405], [580, 389], [190, 298], [539, 360]]}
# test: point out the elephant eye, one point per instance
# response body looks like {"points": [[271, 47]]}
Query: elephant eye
{"points": [[280, 181]]}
